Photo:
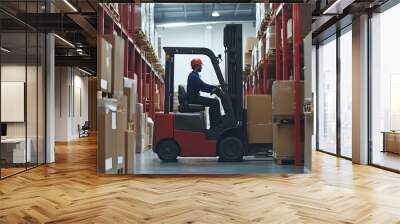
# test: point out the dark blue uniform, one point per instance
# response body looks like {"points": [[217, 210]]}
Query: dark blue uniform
{"points": [[194, 86]]}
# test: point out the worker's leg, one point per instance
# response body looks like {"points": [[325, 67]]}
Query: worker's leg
{"points": [[213, 104]]}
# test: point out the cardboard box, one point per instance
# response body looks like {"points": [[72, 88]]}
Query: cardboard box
{"points": [[247, 58], [130, 151], [259, 109], [304, 23], [283, 98], [250, 43], [157, 101], [270, 40], [305, 19], [105, 123], [260, 133], [284, 142], [150, 132], [130, 91], [118, 51], [122, 125], [140, 128], [104, 64], [259, 51]]}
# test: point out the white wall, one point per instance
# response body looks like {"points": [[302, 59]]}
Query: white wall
{"points": [[71, 102], [198, 36]]}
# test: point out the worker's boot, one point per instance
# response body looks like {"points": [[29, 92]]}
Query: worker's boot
{"points": [[215, 131]]}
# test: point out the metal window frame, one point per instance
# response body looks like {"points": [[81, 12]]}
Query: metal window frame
{"points": [[340, 31]]}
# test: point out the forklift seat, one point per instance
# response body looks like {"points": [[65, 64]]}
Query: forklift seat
{"points": [[184, 106]]}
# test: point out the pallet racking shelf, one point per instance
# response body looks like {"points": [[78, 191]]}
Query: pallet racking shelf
{"points": [[135, 60]]}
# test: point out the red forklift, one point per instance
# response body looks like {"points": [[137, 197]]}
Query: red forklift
{"points": [[184, 133]]}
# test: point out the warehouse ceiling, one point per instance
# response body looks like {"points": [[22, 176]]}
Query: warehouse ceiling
{"points": [[202, 12]]}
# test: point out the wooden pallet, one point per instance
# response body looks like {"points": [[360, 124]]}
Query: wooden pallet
{"points": [[148, 50]]}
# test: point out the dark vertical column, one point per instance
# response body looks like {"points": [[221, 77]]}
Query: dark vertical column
{"points": [[285, 67], [338, 77], [298, 91], [265, 63], [278, 46]]}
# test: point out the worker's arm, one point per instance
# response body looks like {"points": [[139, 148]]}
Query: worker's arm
{"points": [[204, 87]]}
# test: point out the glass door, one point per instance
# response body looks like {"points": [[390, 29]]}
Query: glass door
{"points": [[346, 92], [326, 105], [22, 78]]}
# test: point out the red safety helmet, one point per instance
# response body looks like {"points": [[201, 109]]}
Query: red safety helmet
{"points": [[196, 61]]}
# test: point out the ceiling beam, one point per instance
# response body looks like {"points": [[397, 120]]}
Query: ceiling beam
{"points": [[236, 9], [83, 61], [201, 18]]}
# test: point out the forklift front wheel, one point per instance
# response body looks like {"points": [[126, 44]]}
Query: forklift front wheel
{"points": [[168, 151], [230, 149]]}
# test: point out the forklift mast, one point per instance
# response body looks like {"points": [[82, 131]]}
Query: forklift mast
{"points": [[233, 68]]}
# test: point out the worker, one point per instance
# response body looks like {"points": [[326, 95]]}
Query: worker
{"points": [[195, 85]]}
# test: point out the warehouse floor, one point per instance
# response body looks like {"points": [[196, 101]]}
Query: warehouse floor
{"points": [[148, 163], [70, 191]]}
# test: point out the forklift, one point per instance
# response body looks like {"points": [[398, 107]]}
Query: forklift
{"points": [[184, 133]]}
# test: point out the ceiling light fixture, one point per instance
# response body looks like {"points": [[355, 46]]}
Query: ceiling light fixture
{"points": [[70, 5], [65, 41], [179, 24], [5, 50], [215, 13], [209, 27], [84, 71], [182, 24]]}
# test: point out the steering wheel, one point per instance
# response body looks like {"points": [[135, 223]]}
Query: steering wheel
{"points": [[217, 90]]}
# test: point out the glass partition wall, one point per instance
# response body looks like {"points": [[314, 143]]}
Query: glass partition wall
{"points": [[22, 77], [327, 96], [334, 94], [385, 90]]}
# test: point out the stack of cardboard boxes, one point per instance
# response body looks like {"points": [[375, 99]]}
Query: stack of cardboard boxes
{"points": [[114, 111], [144, 23], [250, 43], [104, 57], [283, 111], [110, 150], [270, 46], [130, 94], [259, 119], [141, 123]]}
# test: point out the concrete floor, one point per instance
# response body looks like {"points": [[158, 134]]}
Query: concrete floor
{"points": [[148, 163]]}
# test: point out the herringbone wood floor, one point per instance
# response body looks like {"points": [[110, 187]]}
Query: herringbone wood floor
{"points": [[70, 191]]}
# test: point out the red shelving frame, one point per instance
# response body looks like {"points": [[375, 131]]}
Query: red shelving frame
{"points": [[134, 58]]}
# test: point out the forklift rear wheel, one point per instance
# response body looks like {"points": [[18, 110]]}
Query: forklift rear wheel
{"points": [[168, 151], [230, 149]]}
